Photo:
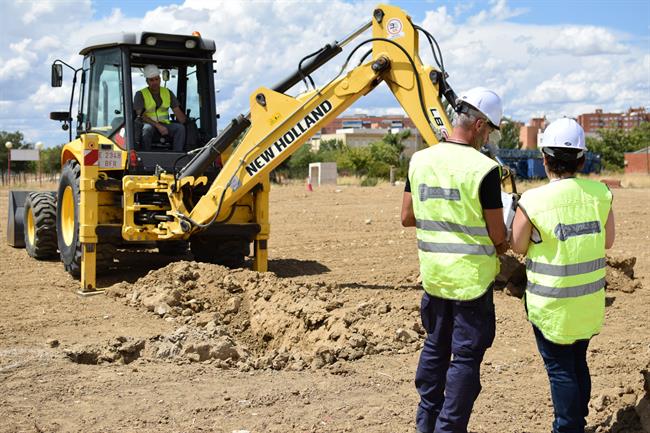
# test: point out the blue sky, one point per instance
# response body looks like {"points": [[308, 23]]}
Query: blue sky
{"points": [[545, 58], [631, 16]]}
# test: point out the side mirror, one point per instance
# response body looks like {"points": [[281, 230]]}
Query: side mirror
{"points": [[57, 75], [165, 75], [61, 116]]}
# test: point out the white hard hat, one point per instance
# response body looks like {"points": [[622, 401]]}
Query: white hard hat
{"points": [[485, 101], [564, 133], [151, 71]]}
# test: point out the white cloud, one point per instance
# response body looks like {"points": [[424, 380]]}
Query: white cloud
{"points": [[586, 41], [498, 12], [550, 69], [13, 68]]}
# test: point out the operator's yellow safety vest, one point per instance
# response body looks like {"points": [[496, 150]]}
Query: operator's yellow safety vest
{"points": [[162, 113], [565, 295], [457, 258]]}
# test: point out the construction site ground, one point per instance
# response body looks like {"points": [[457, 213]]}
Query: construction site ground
{"points": [[328, 341]]}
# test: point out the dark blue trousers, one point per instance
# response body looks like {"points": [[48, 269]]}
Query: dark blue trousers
{"points": [[448, 374], [568, 373]]}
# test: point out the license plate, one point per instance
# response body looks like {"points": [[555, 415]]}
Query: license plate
{"points": [[110, 159]]}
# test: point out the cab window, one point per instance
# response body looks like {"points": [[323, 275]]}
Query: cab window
{"points": [[105, 113]]}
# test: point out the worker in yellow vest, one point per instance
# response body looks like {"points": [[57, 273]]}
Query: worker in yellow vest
{"points": [[152, 103], [563, 228], [453, 198]]}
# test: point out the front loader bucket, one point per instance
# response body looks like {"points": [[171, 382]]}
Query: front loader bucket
{"points": [[15, 215]]}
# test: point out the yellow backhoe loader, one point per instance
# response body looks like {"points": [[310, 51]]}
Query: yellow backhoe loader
{"points": [[214, 195]]}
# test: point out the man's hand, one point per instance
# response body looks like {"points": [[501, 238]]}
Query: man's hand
{"points": [[502, 247], [162, 129]]}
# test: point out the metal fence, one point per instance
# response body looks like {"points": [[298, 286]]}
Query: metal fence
{"points": [[25, 178]]}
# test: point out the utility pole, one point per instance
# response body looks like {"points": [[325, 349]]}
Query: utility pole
{"points": [[39, 147], [9, 145]]}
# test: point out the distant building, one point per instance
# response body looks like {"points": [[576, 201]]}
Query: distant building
{"points": [[359, 137], [531, 134], [638, 162], [364, 121], [591, 122]]}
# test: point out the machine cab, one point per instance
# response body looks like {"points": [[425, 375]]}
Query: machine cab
{"points": [[112, 74]]}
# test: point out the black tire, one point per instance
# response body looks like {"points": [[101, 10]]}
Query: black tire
{"points": [[230, 253], [67, 226], [172, 248], [40, 225]]}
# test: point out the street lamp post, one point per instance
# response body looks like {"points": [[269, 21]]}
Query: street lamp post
{"points": [[9, 145], [39, 146]]}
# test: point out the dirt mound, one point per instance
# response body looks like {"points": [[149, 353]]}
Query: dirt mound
{"points": [[121, 349], [619, 274], [623, 408], [251, 320]]}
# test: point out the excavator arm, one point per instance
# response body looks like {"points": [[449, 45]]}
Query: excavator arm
{"points": [[280, 124]]}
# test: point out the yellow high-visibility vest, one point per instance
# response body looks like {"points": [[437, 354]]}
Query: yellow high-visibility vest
{"points": [[162, 113], [565, 295], [457, 258]]}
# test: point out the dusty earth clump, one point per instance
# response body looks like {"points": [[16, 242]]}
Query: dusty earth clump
{"points": [[256, 320], [121, 349], [623, 408], [620, 274]]}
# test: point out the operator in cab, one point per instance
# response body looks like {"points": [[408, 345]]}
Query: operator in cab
{"points": [[563, 228], [152, 103], [453, 198]]}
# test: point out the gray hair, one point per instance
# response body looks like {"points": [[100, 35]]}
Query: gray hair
{"points": [[464, 120]]}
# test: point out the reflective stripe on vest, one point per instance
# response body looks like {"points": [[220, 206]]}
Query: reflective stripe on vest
{"points": [[481, 250], [457, 258], [565, 296], [565, 270], [565, 292], [161, 114], [445, 226]]}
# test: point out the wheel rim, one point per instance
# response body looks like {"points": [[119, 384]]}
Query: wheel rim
{"points": [[30, 227], [67, 215]]}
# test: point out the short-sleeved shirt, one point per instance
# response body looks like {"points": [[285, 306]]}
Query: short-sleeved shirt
{"points": [[138, 101], [489, 191]]}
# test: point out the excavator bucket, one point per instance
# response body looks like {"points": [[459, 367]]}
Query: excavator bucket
{"points": [[15, 223]]}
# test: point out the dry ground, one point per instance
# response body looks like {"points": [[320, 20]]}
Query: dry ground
{"points": [[346, 241]]}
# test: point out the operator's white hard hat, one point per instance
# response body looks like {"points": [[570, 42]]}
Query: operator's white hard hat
{"points": [[564, 133], [485, 101], [151, 71]]}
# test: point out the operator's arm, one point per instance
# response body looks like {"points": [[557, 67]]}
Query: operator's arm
{"points": [[490, 197], [176, 108], [180, 116], [408, 217], [138, 103]]}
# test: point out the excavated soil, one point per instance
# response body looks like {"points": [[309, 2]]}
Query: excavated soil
{"points": [[327, 341]]}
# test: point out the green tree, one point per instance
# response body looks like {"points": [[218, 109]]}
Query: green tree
{"points": [[51, 159], [611, 144], [329, 150], [359, 159], [509, 134], [396, 141], [299, 162]]}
